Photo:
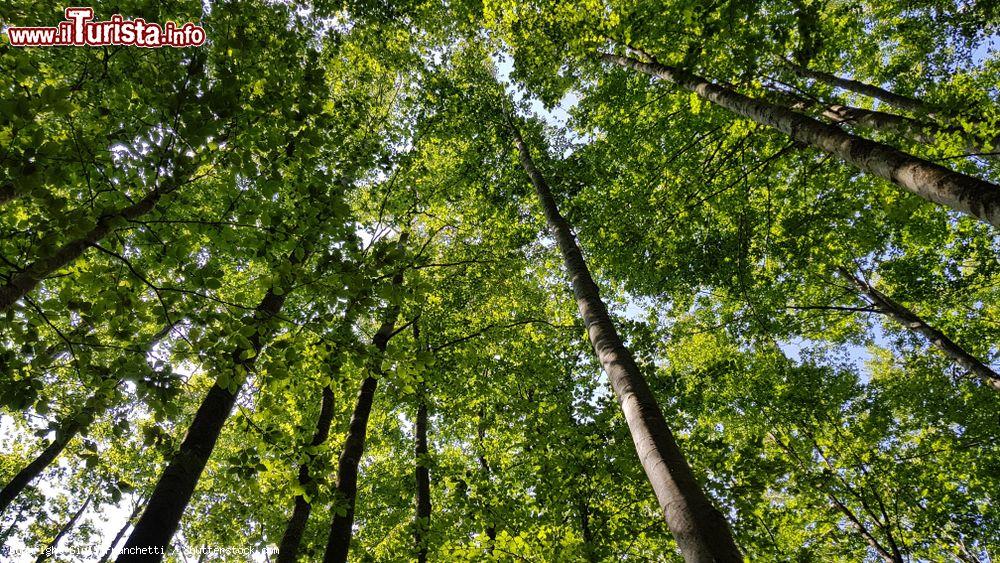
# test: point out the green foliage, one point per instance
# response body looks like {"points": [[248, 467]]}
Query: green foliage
{"points": [[304, 139]]}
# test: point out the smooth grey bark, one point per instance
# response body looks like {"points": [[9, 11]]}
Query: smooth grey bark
{"points": [[700, 530], [288, 549], [47, 552], [911, 321], [916, 130], [338, 542], [961, 192], [21, 283], [896, 100]]}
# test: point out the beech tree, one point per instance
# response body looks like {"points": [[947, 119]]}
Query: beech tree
{"points": [[517, 280]]}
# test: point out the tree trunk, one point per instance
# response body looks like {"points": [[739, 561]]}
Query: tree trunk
{"points": [[339, 541], [69, 428], [423, 478], [23, 281], [583, 507], [173, 491], [914, 323], [289, 548], [121, 532], [930, 181], [491, 527], [422, 474], [914, 129], [701, 532], [896, 100], [66, 432], [49, 549]]}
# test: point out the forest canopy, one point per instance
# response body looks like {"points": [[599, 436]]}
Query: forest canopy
{"points": [[503, 280]]}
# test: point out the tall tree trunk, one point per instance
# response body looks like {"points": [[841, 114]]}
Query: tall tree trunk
{"points": [[20, 283], [423, 479], [121, 532], [914, 129], [289, 548], [422, 474], [912, 322], [491, 526], [583, 508], [896, 100], [173, 491], [700, 530], [339, 541], [930, 181], [66, 432], [68, 429], [50, 548]]}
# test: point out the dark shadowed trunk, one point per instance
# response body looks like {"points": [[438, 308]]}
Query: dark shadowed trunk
{"points": [[173, 491], [583, 509], [914, 323], [896, 100], [345, 497], [7, 193], [67, 430], [24, 280], [491, 527], [289, 548], [700, 530], [50, 548], [423, 478], [422, 473], [930, 181]]}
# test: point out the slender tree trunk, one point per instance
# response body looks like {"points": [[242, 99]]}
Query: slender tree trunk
{"points": [[339, 541], [50, 548], [912, 322], [13, 525], [173, 491], [423, 479], [64, 434], [422, 474], [121, 532], [20, 283], [700, 530], [896, 100], [289, 548], [70, 427], [914, 129], [583, 507], [930, 181], [491, 526]]}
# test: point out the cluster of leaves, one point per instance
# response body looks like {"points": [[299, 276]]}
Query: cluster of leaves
{"points": [[319, 151]]}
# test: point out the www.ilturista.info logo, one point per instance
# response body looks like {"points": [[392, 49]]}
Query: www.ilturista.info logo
{"points": [[79, 30]]}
